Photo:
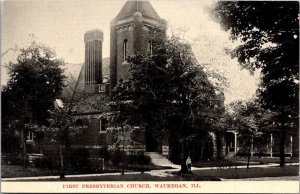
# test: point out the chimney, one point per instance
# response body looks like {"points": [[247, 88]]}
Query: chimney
{"points": [[93, 58]]}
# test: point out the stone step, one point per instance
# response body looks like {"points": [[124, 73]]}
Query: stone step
{"points": [[230, 155], [156, 156], [158, 159]]}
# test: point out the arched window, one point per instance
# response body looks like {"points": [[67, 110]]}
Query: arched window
{"points": [[125, 50]]}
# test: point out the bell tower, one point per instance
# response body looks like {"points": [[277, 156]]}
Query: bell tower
{"points": [[129, 34]]}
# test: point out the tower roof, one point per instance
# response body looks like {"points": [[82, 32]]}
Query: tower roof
{"points": [[143, 7], [95, 34]]}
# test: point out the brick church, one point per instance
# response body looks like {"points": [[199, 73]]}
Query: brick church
{"points": [[129, 34], [91, 89]]}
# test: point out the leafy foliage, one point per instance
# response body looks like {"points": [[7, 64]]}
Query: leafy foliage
{"points": [[269, 32], [104, 153], [62, 126], [270, 35], [117, 157], [169, 92], [139, 159], [36, 80], [79, 159], [244, 119], [250, 121]]}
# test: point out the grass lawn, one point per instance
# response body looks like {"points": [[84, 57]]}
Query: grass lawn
{"points": [[8, 171], [242, 161], [17, 171], [199, 175], [264, 160], [214, 163], [250, 173]]}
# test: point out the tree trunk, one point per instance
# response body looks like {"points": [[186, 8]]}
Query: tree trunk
{"points": [[24, 152], [184, 156], [282, 145], [249, 155], [220, 140], [23, 143], [123, 155], [65, 150], [295, 144], [62, 169], [202, 149]]}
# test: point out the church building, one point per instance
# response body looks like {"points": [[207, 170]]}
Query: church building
{"points": [[91, 90], [129, 34]]}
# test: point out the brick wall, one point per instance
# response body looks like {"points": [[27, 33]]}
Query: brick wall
{"points": [[137, 36], [91, 135]]}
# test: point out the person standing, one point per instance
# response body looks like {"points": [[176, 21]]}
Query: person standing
{"points": [[189, 164]]}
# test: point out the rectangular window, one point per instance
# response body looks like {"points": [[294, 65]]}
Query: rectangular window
{"points": [[103, 125], [30, 136]]}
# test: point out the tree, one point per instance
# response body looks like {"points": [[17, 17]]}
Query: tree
{"points": [[244, 119], [172, 95], [123, 114], [269, 32], [35, 81], [62, 126]]}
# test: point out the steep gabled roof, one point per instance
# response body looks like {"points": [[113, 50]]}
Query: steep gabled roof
{"points": [[131, 7], [83, 103]]}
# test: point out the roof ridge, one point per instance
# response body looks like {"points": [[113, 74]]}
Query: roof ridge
{"points": [[144, 7]]}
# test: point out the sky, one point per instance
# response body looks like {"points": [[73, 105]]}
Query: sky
{"points": [[61, 24]]}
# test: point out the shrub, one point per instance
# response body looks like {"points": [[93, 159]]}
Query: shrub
{"points": [[139, 159], [96, 164], [243, 152], [79, 159], [9, 142], [143, 159], [104, 153], [43, 163], [14, 159], [262, 152], [117, 157], [53, 158], [132, 159]]}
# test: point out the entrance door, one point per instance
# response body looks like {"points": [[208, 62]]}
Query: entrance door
{"points": [[151, 142]]}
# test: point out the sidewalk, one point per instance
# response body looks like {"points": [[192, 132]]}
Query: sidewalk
{"points": [[285, 178], [160, 173], [168, 172]]}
